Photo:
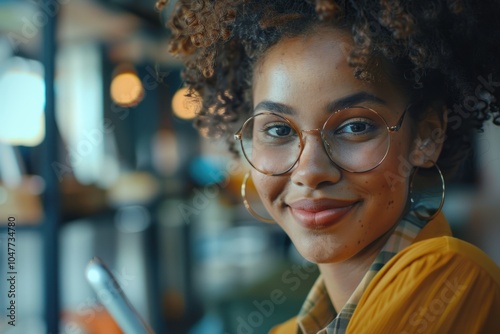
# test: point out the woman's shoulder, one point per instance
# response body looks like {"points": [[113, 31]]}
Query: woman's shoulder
{"points": [[436, 285], [429, 266], [442, 254], [435, 249]]}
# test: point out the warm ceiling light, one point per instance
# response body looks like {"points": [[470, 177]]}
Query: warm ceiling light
{"points": [[126, 89], [184, 106]]}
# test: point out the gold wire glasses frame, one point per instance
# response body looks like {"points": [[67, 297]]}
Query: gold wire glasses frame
{"points": [[245, 135]]}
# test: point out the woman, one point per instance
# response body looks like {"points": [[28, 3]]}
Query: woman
{"points": [[348, 113]]}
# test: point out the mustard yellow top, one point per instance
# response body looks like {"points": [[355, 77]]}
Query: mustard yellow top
{"points": [[438, 284]]}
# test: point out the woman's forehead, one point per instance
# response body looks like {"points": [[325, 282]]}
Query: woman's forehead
{"points": [[321, 39], [312, 73]]}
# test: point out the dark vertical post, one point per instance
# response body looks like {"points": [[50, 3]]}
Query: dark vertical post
{"points": [[146, 120], [153, 262], [51, 202]]}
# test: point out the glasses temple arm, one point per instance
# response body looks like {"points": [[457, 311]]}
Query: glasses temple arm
{"points": [[400, 122]]}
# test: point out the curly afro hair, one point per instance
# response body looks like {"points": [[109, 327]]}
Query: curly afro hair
{"points": [[442, 50]]}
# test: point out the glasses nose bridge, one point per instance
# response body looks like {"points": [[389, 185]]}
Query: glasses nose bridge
{"points": [[312, 130]]}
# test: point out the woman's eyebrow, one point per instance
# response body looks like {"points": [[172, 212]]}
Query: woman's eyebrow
{"points": [[344, 102], [274, 107], [352, 100]]}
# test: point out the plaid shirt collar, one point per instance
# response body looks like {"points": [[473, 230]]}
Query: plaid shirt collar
{"points": [[318, 314]]}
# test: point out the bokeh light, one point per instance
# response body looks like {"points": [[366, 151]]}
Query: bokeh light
{"points": [[126, 89], [184, 106]]}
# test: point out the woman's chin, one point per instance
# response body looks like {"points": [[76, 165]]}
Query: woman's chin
{"points": [[324, 254]]}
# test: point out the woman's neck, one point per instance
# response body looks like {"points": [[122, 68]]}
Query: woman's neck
{"points": [[342, 278]]}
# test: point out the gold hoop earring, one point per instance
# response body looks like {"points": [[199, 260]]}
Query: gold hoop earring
{"points": [[247, 204], [424, 191]]}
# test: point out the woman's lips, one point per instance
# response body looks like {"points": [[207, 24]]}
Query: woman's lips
{"points": [[318, 214]]}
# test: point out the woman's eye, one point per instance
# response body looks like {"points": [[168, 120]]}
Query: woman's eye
{"points": [[279, 130], [355, 128]]}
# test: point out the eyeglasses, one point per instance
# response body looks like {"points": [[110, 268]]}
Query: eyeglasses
{"points": [[356, 139]]}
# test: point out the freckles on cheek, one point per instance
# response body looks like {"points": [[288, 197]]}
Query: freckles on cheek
{"points": [[363, 231]]}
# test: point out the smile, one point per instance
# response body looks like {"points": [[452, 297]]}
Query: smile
{"points": [[320, 214]]}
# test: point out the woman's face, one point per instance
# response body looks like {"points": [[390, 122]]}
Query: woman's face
{"points": [[330, 214]]}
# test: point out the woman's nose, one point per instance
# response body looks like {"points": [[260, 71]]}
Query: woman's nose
{"points": [[314, 167]]}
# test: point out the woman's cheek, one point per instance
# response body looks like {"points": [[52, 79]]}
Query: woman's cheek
{"points": [[269, 189], [392, 193]]}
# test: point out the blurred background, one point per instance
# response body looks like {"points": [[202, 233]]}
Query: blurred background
{"points": [[98, 157]]}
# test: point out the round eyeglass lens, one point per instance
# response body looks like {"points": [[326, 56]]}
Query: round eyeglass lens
{"points": [[356, 139], [270, 143]]}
